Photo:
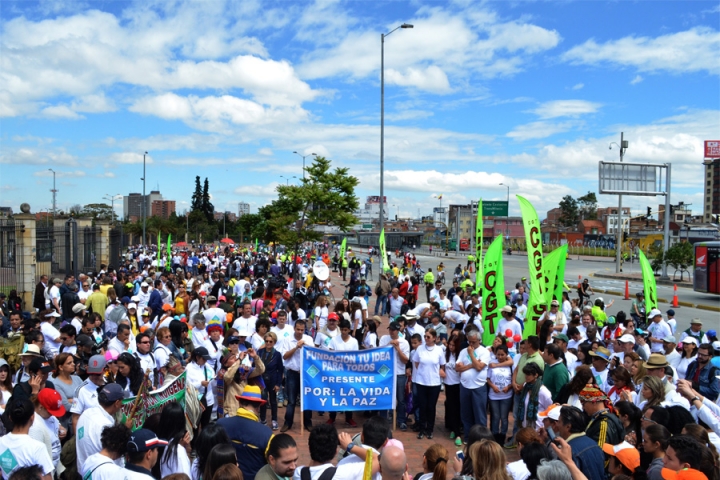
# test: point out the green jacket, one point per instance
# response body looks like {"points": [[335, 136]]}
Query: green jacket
{"points": [[554, 377], [429, 278]]}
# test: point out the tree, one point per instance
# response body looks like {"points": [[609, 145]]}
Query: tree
{"points": [[569, 211], [324, 197], [197, 195], [679, 256], [207, 208], [587, 205], [98, 211], [76, 210]]}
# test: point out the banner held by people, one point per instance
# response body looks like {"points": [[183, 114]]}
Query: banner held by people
{"points": [[493, 290], [649, 284], [343, 247], [348, 381], [533, 239], [551, 270], [153, 402]]}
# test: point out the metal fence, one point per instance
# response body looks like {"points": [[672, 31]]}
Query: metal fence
{"points": [[119, 240], [67, 249], [11, 263]]}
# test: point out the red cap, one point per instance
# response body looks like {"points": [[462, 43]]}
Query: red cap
{"points": [[52, 401]]}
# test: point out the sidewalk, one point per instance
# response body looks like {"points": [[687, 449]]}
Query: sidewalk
{"points": [[414, 448]]}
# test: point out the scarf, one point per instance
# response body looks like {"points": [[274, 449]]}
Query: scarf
{"points": [[245, 413], [533, 389]]}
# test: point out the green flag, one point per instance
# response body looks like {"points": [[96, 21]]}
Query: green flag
{"points": [[560, 275], [158, 244], [478, 249], [536, 302], [493, 290], [256, 244], [343, 247], [550, 268], [383, 252], [648, 282], [168, 264]]}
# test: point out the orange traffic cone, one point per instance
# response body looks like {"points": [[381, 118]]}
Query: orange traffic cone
{"points": [[627, 290], [675, 299]]}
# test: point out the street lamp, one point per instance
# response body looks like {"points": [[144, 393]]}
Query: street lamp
{"points": [[54, 192], [144, 203], [382, 118], [618, 240], [303, 157], [507, 219], [112, 203], [287, 179]]}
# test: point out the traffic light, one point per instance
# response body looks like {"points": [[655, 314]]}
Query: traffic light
{"points": [[624, 237], [649, 211]]}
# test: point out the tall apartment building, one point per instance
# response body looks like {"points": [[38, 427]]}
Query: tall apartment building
{"points": [[243, 209], [711, 190], [162, 208], [133, 204]]}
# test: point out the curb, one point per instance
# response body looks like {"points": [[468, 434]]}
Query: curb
{"points": [[632, 279], [700, 306]]}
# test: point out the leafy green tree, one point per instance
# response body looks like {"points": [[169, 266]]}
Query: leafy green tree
{"points": [[324, 197], [569, 211], [98, 211], [587, 205], [680, 255]]}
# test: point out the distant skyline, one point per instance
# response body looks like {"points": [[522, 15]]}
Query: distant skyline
{"points": [[529, 94]]}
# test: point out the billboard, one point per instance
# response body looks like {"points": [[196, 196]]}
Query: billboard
{"points": [[712, 148], [495, 209], [375, 199], [632, 178]]}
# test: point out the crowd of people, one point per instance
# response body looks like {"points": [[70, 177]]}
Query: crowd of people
{"points": [[592, 394]]}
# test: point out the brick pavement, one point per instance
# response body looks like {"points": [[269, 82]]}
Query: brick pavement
{"points": [[414, 448]]}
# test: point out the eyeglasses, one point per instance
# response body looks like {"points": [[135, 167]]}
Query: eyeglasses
{"points": [[269, 340], [85, 285]]}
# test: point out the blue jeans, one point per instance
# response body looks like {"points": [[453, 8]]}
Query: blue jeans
{"points": [[499, 412], [473, 407], [381, 302], [517, 398], [292, 388]]}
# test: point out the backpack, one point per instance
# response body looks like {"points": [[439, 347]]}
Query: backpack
{"points": [[328, 474]]}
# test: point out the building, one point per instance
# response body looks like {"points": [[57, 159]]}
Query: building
{"points": [[371, 211], [711, 190], [5, 212], [609, 217], [231, 217], [133, 205], [591, 227], [553, 216], [162, 208], [679, 214], [243, 209]]}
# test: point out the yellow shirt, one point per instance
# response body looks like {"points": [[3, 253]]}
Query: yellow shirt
{"points": [[179, 305]]}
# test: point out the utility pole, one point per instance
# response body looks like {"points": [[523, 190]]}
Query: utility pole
{"points": [[54, 192], [144, 203], [618, 234]]}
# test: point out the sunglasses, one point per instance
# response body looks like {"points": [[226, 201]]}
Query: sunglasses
{"points": [[143, 342], [269, 340]]}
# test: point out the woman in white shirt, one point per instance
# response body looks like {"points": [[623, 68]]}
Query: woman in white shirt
{"points": [[370, 340], [344, 343], [429, 362], [500, 394], [174, 457], [452, 388], [200, 375], [6, 385], [321, 313], [689, 355]]}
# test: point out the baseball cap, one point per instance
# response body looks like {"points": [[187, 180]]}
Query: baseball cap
{"points": [[684, 474], [78, 307], [690, 339], [654, 313], [143, 440], [53, 314], [669, 339], [110, 392], [670, 312], [563, 337], [96, 365], [39, 365], [144, 284], [201, 352], [507, 309], [84, 341], [552, 412], [211, 299], [628, 455], [394, 326], [611, 319], [627, 338], [132, 305], [554, 303], [52, 401]]}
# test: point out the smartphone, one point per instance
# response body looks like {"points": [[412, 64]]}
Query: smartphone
{"points": [[460, 455], [551, 433]]}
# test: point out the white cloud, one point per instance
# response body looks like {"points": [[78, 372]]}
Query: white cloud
{"points": [[693, 50], [566, 108], [431, 79], [408, 115], [37, 156], [540, 129], [636, 80], [578, 86], [258, 191], [265, 151], [60, 111], [60, 173], [129, 158]]}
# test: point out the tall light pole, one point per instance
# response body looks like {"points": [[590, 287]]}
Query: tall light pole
{"points": [[303, 157], [287, 179], [507, 219], [112, 207], [144, 203], [54, 192], [382, 119], [618, 240]]}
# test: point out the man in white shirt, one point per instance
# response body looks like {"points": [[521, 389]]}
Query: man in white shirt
{"points": [[472, 365], [86, 395], [326, 335], [246, 321], [145, 356], [93, 420], [213, 312], [283, 331], [521, 308], [402, 355], [412, 327], [374, 437], [52, 334], [121, 342], [435, 293], [344, 343], [102, 465], [508, 322], [322, 443], [18, 449], [143, 296], [658, 329], [600, 361], [557, 317], [291, 351], [396, 303]]}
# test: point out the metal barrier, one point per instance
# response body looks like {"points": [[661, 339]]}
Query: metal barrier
{"points": [[11, 261]]}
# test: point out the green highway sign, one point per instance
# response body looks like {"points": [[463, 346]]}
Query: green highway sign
{"points": [[495, 209], [367, 225]]}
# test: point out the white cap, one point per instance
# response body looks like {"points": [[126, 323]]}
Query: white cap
{"points": [[552, 412], [144, 284], [627, 338], [654, 313], [132, 305], [242, 333], [690, 339]]}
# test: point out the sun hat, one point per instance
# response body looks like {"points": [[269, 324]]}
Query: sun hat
{"points": [[32, 350], [669, 339], [628, 455], [654, 313], [78, 307], [251, 393], [656, 360], [602, 353]]}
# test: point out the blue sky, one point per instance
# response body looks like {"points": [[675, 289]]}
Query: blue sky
{"points": [[479, 93]]}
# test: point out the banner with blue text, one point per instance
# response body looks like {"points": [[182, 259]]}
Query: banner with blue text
{"points": [[348, 381]]}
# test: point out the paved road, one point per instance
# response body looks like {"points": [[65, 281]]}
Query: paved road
{"points": [[515, 267]]}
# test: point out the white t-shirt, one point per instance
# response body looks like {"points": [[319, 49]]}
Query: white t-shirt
{"points": [[89, 428], [337, 344], [452, 377], [659, 330], [501, 377], [196, 375], [51, 334], [178, 463], [282, 337], [370, 340], [215, 313], [247, 324], [321, 314], [473, 378], [352, 467], [315, 472], [53, 426], [323, 339], [428, 363], [85, 397], [513, 325], [404, 348], [455, 317], [199, 337], [601, 379], [457, 303], [518, 470], [102, 468], [22, 451]]}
